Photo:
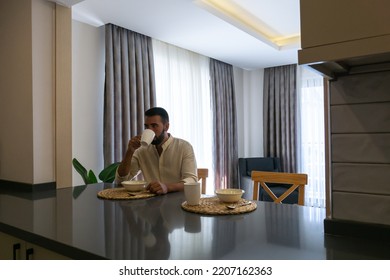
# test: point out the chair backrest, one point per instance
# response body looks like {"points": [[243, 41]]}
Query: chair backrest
{"points": [[203, 173], [295, 179]]}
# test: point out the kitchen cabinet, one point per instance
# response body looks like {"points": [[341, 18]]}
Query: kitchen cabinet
{"points": [[12, 248], [337, 35], [334, 21]]}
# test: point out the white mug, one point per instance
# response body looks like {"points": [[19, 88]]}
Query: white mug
{"points": [[192, 193], [147, 137]]}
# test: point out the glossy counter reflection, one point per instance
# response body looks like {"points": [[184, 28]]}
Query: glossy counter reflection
{"points": [[157, 228]]}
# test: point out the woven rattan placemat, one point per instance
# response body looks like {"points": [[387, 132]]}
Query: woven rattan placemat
{"points": [[213, 206], [122, 193]]}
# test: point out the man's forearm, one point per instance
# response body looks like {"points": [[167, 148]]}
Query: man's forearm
{"points": [[124, 166], [175, 187]]}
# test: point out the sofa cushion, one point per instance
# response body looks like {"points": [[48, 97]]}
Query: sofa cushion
{"points": [[260, 164], [249, 173]]}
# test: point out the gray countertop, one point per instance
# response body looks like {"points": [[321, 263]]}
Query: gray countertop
{"points": [[75, 223]]}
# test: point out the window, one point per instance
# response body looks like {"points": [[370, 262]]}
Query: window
{"points": [[182, 88], [311, 143]]}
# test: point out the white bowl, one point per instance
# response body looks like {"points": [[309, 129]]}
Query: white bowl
{"points": [[229, 195], [134, 186]]}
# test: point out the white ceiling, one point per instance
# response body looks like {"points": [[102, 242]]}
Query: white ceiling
{"points": [[249, 34]]}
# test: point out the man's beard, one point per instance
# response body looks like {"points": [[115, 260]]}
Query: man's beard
{"points": [[158, 139]]}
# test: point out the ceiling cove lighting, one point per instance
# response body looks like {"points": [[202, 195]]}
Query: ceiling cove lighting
{"points": [[66, 3], [231, 12]]}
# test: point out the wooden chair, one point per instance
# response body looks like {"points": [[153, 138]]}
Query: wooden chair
{"points": [[203, 173], [298, 181]]}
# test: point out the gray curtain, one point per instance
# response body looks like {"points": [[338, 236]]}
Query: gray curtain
{"points": [[129, 88], [225, 125], [279, 115]]}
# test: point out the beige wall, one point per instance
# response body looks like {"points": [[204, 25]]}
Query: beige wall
{"points": [[43, 91], [16, 111], [63, 99], [28, 88]]}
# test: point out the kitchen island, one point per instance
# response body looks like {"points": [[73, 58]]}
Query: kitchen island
{"points": [[74, 223]]}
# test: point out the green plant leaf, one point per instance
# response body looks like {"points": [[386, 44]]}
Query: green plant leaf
{"points": [[107, 175], [92, 177], [81, 170]]}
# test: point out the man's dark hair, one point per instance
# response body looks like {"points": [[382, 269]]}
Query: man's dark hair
{"points": [[158, 111]]}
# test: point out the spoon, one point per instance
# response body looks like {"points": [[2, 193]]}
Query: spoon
{"points": [[139, 172], [132, 194], [137, 193], [238, 205]]}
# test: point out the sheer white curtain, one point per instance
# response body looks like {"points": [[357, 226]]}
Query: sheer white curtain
{"points": [[311, 139], [183, 89]]}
